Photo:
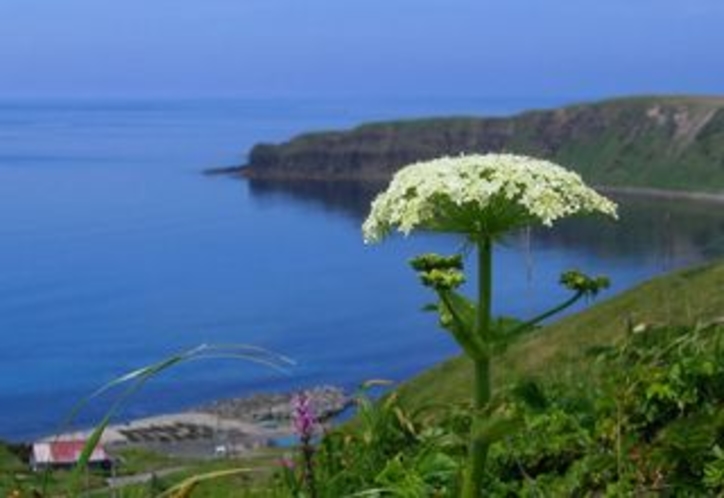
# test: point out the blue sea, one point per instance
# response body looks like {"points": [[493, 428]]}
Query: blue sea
{"points": [[115, 252]]}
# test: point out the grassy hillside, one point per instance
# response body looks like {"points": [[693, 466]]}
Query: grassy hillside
{"points": [[680, 298], [660, 142], [9, 461], [584, 408]]}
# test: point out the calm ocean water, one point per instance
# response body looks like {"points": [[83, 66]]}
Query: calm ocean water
{"points": [[115, 252]]}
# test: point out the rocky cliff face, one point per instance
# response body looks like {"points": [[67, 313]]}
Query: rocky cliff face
{"points": [[674, 142]]}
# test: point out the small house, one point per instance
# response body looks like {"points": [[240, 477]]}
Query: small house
{"points": [[65, 455]]}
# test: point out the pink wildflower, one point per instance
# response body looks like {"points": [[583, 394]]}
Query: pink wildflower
{"points": [[303, 416]]}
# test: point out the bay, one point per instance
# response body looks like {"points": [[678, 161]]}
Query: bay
{"points": [[116, 252]]}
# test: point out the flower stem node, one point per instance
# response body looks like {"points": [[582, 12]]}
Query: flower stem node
{"points": [[441, 273], [442, 280], [431, 261]]}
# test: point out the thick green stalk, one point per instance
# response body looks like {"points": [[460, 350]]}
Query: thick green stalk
{"points": [[478, 450]]}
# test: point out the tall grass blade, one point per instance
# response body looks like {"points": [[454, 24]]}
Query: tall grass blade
{"points": [[187, 486], [138, 378]]}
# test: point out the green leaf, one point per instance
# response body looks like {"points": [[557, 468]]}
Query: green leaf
{"points": [[437, 463], [496, 427], [458, 315], [531, 393], [186, 487], [137, 379]]}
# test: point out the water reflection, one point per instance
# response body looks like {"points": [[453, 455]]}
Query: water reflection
{"points": [[350, 198], [668, 233]]}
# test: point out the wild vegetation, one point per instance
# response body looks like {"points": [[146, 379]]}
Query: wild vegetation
{"points": [[679, 299], [644, 416], [626, 399]]}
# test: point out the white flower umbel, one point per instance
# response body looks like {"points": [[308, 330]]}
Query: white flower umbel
{"points": [[482, 196]]}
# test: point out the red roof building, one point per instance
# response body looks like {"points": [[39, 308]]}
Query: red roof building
{"points": [[57, 454]]}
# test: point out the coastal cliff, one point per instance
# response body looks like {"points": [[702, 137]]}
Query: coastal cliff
{"points": [[659, 142]]}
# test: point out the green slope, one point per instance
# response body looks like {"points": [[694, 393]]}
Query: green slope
{"points": [[684, 297], [661, 142]]}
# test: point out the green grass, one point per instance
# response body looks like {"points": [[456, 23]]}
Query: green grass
{"points": [[15, 474], [12, 470], [682, 298], [134, 460], [253, 479], [22, 479], [8, 460]]}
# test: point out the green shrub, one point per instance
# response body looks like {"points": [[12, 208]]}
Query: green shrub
{"points": [[645, 416]]}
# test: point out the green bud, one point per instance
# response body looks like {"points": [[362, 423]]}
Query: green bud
{"points": [[580, 282], [430, 261], [442, 280]]}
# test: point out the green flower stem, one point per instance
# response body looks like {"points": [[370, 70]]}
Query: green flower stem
{"points": [[478, 450], [471, 343], [553, 311], [485, 283]]}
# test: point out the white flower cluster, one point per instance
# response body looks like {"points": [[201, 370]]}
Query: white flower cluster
{"points": [[480, 195]]}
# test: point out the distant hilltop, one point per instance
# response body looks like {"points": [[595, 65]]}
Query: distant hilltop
{"points": [[658, 142]]}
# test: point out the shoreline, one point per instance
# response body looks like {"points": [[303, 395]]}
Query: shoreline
{"points": [[664, 194], [243, 172], [227, 427]]}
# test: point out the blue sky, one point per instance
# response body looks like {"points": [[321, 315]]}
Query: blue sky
{"points": [[268, 48]]}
